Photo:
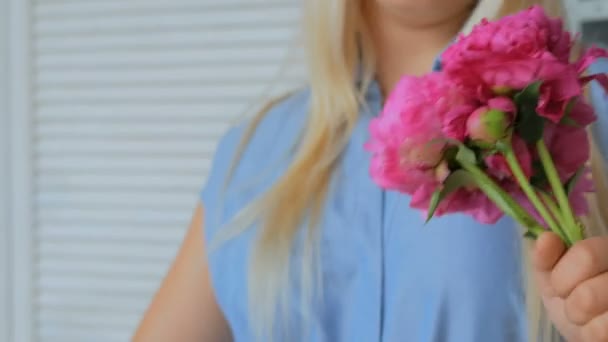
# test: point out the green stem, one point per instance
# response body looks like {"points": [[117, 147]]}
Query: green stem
{"points": [[571, 227], [503, 200], [554, 209], [523, 182]]}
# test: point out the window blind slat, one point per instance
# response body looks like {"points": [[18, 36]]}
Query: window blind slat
{"points": [[134, 40], [140, 112], [174, 20], [257, 57], [155, 7]]}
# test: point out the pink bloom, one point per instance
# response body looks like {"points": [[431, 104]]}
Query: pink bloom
{"points": [[588, 57], [471, 202], [455, 121], [556, 94], [569, 148], [559, 41], [407, 145], [577, 198], [512, 52], [406, 139], [582, 113], [498, 167]]}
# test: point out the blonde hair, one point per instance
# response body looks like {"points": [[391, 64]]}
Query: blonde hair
{"points": [[337, 45]]}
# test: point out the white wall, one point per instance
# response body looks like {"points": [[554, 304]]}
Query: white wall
{"points": [[20, 171], [4, 177]]}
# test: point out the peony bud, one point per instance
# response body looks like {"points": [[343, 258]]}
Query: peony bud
{"points": [[421, 154], [486, 126], [502, 90], [442, 171]]}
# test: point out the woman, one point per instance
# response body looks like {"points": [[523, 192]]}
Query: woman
{"points": [[307, 248]]}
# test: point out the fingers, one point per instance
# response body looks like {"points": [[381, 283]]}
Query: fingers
{"points": [[588, 300], [583, 261], [596, 330], [548, 249]]}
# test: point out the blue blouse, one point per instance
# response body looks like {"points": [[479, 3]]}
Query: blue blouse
{"points": [[386, 275]]}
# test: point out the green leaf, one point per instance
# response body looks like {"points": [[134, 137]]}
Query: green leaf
{"points": [[529, 125], [465, 155], [568, 121], [530, 94], [435, 200], [458, 179], [571, 182]]}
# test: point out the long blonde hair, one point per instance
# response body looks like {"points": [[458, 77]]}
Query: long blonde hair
{"points": [[337, 44]]}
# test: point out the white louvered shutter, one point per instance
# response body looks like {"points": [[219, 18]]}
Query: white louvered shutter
{"points": [[130, 98]]}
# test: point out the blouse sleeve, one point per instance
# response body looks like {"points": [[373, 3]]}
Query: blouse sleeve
{"points": [[599, 99], [212, 194]]}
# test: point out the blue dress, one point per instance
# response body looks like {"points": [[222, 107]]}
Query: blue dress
{"points": [[386, 275]]}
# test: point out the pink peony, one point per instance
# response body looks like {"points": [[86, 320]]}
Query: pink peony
{"points": [[556, 94], [472, 202], [588, 57], [512, 52], [472, 102], [406, 139], [569, 147], [582, 113], [498, 167], [407, 145], [584, 186]]}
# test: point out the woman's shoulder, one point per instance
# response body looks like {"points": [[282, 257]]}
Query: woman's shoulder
{"points": [[278, 127], [256, 146]]}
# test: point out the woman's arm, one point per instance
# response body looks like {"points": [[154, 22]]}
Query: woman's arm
{"points": [[184, 309]]}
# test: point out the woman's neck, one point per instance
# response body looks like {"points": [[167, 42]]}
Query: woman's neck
{"points": [[403, 49]]}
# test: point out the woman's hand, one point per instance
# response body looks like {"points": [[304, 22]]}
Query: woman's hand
{"points": [[574, 286]]}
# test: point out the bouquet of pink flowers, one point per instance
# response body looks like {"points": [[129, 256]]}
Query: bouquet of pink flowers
{"points": [[501, 129]]}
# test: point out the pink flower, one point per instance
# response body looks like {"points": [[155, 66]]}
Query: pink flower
{"points": [[588, 57], [577, 197], [512, 52], [473, 104], [582, 113], [406, 139], [498, 167], [559, 41], [472, 202], [569, 147], [407, 144], [556, 94]]}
